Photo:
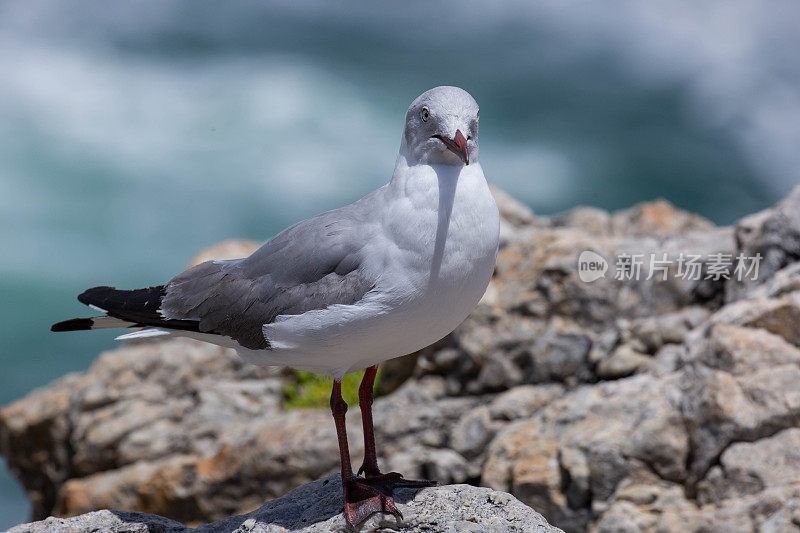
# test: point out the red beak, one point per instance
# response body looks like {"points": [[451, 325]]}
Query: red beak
{"points": [[457, 145]]}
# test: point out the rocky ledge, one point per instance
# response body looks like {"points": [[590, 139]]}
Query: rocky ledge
{"points": [[317, 508], [659, 403]]}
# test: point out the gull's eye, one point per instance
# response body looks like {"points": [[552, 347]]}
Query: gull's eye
{"points": [[477, 115], [425, 114]]}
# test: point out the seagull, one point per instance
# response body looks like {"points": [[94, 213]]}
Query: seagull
{"points": [[345, 290]]}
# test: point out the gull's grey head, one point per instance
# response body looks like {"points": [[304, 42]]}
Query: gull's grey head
{"points": [[442, 128]]}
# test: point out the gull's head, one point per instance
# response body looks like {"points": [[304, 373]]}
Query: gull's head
{"points": [[442, 128]]}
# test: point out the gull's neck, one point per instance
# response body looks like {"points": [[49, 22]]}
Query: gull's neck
{"points": [[405, 163], [403, 157]]}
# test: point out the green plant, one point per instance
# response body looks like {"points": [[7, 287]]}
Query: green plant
{"points": [[306, 390]]}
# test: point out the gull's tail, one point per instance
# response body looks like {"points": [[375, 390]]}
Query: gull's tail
{"points": [[124, 309], [95, 322]]}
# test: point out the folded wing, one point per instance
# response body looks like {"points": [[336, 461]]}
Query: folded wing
{"points": [[311, 265]]}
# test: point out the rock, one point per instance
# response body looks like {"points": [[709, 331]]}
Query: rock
{"points": [[623, 362], [110, 521], [543, 323], [137, 408], [741, 351], [473, 432], [592, 219], [612, 405], [516, 219], [668, 359], [777, 315], [559, 354], [130, 407], [523, 401], [524, 462], [649, 334], [658, 218], [738, 388], [35, 441], [784, 281], [578, 448], [775, 235], [230, 249], [317, 507], [229, 460], [649, 504], [747, 468]]}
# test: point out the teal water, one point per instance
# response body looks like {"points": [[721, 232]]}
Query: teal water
{"points": [[132, 135]]}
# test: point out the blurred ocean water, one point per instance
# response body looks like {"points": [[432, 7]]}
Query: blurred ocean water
{"points": [[133, 134]]}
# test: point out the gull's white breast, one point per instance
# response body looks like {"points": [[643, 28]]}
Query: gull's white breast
{"points": [[432, 261]]}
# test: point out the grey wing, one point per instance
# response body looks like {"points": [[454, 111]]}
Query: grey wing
{"points": [[311, 265]]}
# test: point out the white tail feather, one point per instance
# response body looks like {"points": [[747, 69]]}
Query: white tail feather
{"points": [[144, 333]]}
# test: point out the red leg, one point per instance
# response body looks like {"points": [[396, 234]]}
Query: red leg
{"points": [[370, 465], [361, 500], [365, 397], [339, 410]]}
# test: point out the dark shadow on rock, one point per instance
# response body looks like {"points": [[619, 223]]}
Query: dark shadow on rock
{"points": [[153, 523], [313, 502]]}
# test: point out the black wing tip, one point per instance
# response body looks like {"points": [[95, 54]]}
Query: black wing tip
{"points": [[139, 306], [89, 296], [74, 324], [109, 298]]}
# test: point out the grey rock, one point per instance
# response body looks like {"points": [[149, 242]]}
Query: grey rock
{"points": [[592, 219], [775, 235], [107, 521], [623, 362], [784, 281], [228, 249], [649, 504], [560, 354], [657, 218], [578, 448], [777, 315], [473, 432], [141, 402], [747, 468], [649, 334], [669, 358], [517, 221], [737, 387], [538, 318], [523, 401], [317, 507], [498, 372]]}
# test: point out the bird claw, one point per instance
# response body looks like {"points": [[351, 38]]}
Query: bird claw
{"points": [[364, 497], [361, 500]]}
